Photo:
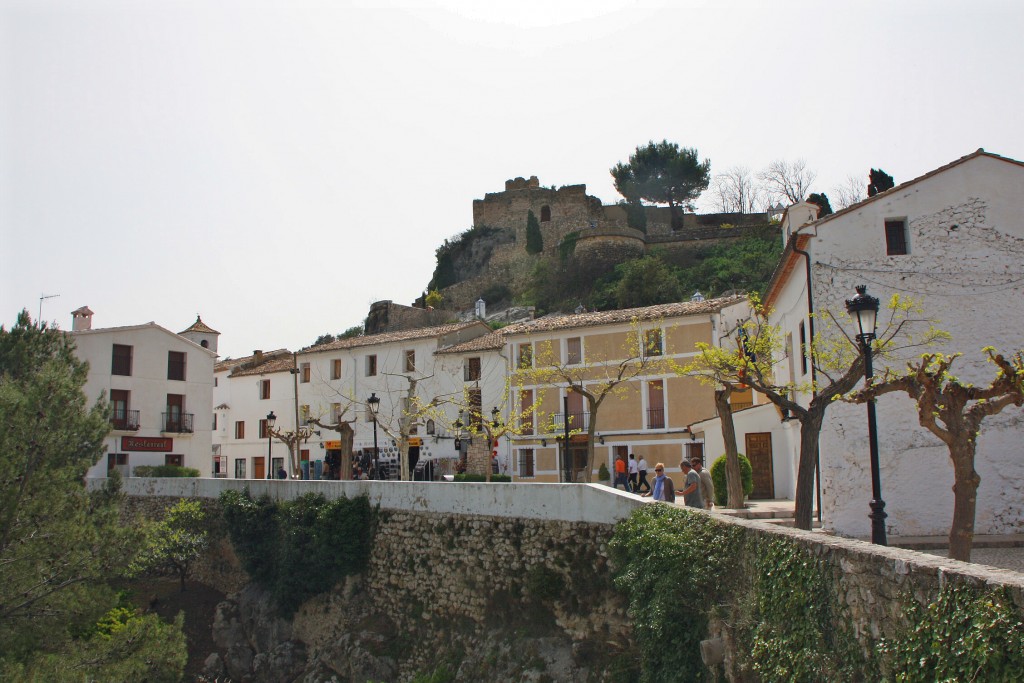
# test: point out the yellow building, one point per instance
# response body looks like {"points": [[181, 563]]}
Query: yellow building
{"points": [[612, 378]]}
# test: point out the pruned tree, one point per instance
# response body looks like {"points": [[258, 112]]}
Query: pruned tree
{"points": [[663, 173], [293, 438], [849, 193], [597, 379], [821, 199], [346, 435], [836, 367], [953, 411], [788, 181], [724, 389], [879, 181], [737, 191]]}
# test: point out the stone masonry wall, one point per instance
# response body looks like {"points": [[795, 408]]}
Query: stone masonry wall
{"points": [[441, 580]]}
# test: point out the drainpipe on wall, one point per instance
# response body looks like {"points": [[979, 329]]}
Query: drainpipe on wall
{"points": [[814, 374]]}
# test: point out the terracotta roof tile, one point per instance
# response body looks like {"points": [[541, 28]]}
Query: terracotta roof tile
{"points": [[388, 337], [199, 326], [283, 364], [489, 342], [625, 315], [238, 364]]}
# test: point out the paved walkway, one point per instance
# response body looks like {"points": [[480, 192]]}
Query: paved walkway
{"points": [[1002, 551]]}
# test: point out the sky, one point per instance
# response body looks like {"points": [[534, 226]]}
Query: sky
{"points": [[276, 167]]}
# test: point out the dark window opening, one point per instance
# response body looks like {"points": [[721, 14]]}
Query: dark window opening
{"points": [[176, 365], [545, 213], [896, 237], [122, 360]]}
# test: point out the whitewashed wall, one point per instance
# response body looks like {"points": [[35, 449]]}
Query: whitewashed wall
{"points": [[966, 236], [149, 387]]}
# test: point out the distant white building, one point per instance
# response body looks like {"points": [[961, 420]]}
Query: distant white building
{"points": [[246, 391], [159, 385]]}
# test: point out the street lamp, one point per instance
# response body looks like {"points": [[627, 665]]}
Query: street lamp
{"points": [[271, 419], [864, 308], [495, 422], [374, 403]]}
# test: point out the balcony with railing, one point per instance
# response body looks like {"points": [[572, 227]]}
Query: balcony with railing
{"points": [[655, 418], [125, 420], [577, 422], [180, 423]]}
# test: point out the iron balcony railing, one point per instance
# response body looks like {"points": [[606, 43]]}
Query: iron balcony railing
{"points": [[125, 420], [577, 422], [655, 418], [180, 423]]}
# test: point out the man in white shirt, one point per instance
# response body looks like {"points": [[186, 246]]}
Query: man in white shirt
{"points": [[643, 486], [634, 469]]}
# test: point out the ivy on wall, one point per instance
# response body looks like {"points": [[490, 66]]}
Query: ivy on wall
{"points": [[300, 547], [781, 605], [674, 566]]}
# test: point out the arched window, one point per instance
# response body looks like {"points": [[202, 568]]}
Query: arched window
{"points": [[545, 213], [205, 344], [430, 426]]}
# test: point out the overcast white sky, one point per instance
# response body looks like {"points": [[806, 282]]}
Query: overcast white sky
{"points": [[278, 166]]}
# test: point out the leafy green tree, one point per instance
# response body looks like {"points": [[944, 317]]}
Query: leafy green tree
{"points": [[821, 199], [61, 547], [879, 181], [663, 173], [326, 338], [534, 240], [646, 281], [746, 264], [176, 541]]}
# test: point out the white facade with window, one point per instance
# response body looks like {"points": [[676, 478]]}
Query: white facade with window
{"points": [[961, 255], [160, 387]]}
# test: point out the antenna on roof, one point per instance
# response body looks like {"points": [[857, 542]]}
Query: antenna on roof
{"points": [[41, 298]]}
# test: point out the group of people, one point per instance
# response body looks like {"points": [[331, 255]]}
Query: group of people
{"points": [[698, 488]]}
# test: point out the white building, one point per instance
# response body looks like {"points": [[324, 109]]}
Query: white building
{"points": [[337, 379], [246, 391], [952, 240], [159, 385]]}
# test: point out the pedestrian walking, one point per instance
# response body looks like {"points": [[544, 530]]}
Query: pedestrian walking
{"points": [[707, 485], [663, 490], [643, 486], [633, 470], [691, 488], [620, 474]]}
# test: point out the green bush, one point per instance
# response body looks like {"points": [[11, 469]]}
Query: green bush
{"points": [[299, 548], [472, 477], [674, 567], [165, 471], [602, 473], [718, 477]]}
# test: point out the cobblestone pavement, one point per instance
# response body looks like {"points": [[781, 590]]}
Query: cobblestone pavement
{"points": [[1004, 558]]}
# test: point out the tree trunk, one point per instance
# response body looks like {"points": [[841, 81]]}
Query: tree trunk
{"points": [[810, 430], [676, 214], [346, 436], [965, 501], [733, 476], [478, 456]]}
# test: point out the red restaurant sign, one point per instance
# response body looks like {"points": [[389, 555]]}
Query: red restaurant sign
{"points": [[163, 444]]}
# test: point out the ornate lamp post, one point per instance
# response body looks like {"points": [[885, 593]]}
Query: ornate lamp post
{"points": [[374, 403], [271, 419], [864, 308]]}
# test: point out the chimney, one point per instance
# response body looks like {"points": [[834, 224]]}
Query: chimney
{"points": [[481, 309], [81, 319], [257, 357]]}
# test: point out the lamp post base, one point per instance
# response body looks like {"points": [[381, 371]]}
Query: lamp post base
{"points": [[878, 516]]}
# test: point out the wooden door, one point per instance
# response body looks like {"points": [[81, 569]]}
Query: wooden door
{"points": [[259, 468], [759, 452]]}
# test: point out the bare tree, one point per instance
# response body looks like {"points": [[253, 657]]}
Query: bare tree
{"points": [[736, 191], [953, 411], [787, 180], [849, 193]]}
